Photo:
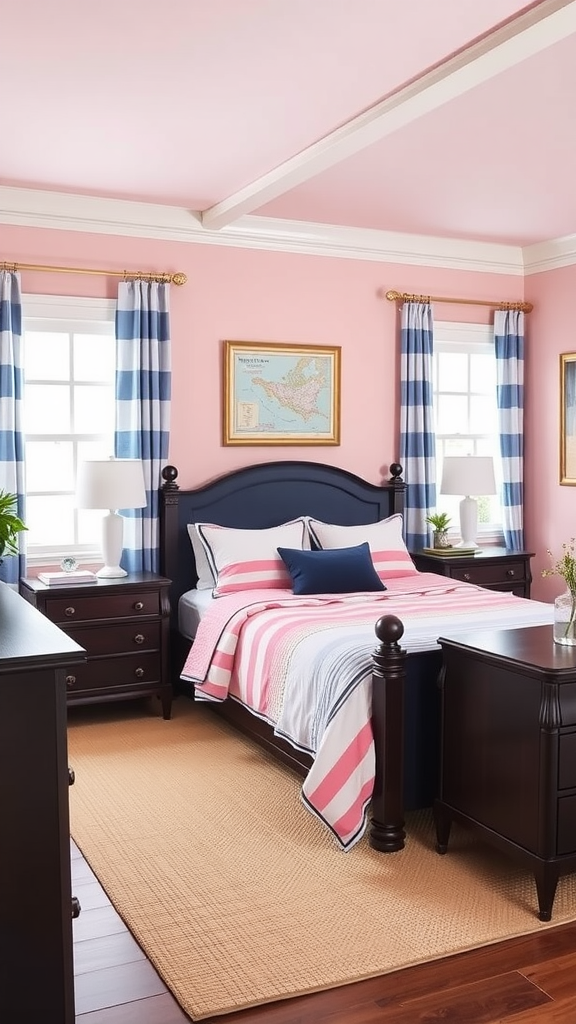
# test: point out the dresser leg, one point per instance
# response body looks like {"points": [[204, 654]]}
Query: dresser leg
{"points": [[443, 823], [546, 881]]}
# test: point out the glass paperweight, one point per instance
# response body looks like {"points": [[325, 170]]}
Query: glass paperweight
{"points": [[68, 564]]}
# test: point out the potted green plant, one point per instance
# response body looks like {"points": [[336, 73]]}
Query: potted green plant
{"points": [[10, 524], [440, 521]]}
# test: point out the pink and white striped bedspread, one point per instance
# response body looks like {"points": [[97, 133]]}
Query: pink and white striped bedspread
{"points": [[304, 665]]}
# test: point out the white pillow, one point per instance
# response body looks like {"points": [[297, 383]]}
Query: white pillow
{"points": [[389, 552], [205, 578], [249, 559]]}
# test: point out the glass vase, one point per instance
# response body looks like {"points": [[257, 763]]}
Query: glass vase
{"points": [[565, 619]]}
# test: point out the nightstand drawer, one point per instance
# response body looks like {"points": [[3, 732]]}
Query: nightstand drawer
{"points": [[486, 574], [108, 673], [81, 607], [118, 639]]}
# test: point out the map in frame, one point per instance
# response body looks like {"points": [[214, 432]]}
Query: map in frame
{"points": [[281, 394]]}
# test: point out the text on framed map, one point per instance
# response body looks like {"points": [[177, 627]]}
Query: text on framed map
{"points": [[281, 393]]}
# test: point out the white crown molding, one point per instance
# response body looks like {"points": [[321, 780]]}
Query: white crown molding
{"points": [[533, 30], [551, 255], [69, 212]]}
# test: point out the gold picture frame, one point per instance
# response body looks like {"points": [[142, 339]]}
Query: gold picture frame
{"points": [[281, 394], [568, 418]]}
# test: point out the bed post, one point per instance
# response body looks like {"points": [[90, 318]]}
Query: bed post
{"points": [[388, 674], [169, 522]]}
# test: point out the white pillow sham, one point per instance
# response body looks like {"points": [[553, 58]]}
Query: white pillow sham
{"points": [[389, 552], [205, 577], [248, 559]]}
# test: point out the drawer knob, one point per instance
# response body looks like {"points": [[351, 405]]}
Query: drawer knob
{"points": [[76, 908], [139, 638], [466, 575], [139, 606], [69, 611], [70, 680], [510, 572], [71, 776], [139, 672]]}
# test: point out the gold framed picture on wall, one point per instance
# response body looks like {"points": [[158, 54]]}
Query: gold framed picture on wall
{"points": [[281, 394], [568, 418]]}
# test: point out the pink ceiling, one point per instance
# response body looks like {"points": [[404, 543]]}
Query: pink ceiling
{"points": [[188, 101]]}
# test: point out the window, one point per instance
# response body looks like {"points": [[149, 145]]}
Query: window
{"points": [[69, 367], [465, 410]]}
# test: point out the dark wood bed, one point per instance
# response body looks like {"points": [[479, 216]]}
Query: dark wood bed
{"points": [[404, 696]]}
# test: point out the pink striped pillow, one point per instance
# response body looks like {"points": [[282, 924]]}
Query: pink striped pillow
{"points": [[249, 559], [389, 552]]}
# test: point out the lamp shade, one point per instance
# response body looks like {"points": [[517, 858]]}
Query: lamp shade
{"points": [[111, 484], [468, 475]]}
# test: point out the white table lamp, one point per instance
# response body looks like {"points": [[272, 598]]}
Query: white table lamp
{"points": [[111, 484], [468, 475]]}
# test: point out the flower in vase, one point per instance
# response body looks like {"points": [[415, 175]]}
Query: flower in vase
{"points": [[565, 566]]}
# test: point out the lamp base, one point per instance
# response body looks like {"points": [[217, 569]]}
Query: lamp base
{"points": [[112, 531], [468, 522], [111, 572]]}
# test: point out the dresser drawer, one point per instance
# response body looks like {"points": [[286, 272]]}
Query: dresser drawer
{"points": [[81, 607], [117, 639], [486, 575], [107, 673], [566, 840]]}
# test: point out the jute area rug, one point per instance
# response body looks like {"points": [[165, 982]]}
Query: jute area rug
{"points": [[239, 896]]}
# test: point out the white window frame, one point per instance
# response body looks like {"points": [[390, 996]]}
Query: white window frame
{"points": [[450, 336], [65, 313]]}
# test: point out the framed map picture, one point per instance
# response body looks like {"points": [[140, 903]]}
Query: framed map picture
{"points": [[281, 394], [568, 418]]}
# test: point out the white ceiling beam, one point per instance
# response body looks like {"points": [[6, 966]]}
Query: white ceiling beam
{"points": [[534, 30]]}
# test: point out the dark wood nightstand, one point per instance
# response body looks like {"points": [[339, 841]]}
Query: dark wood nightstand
{"points": [[123, 624], [493, 568]]}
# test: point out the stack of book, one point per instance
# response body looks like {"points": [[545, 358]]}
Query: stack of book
{"points": [[448, 552], [65, 579]]}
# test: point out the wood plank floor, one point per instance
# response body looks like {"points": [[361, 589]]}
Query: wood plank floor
{"points": [[530, 980]]}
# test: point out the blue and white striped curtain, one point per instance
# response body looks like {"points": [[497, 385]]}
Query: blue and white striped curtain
{"points": [[11, 412], [143, 385], [417, 432], [509, 350]]}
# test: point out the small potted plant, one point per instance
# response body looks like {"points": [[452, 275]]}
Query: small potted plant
{"points": [[10, 524], [440, 521]]}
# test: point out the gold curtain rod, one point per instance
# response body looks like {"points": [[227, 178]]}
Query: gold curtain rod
{"points": [[140, 275], [393, 296]]}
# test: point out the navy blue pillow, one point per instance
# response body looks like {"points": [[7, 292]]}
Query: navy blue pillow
{"points": [[331, 571]]}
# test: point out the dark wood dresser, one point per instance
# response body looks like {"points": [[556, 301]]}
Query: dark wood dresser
{"points": [[36, 904], [508, 748], [123, 624], [491, 567]]}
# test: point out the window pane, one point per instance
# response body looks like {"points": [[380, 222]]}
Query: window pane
{"points": [[50, 520], [452, 415], [94, 357], [49, 466], [481, 415], [483, 373], [452, 371], [95, 449], [93, 409], [90, 527], [46, 409], [46, 355]]}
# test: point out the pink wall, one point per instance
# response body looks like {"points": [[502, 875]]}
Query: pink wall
{"points": [[550, 507]]}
